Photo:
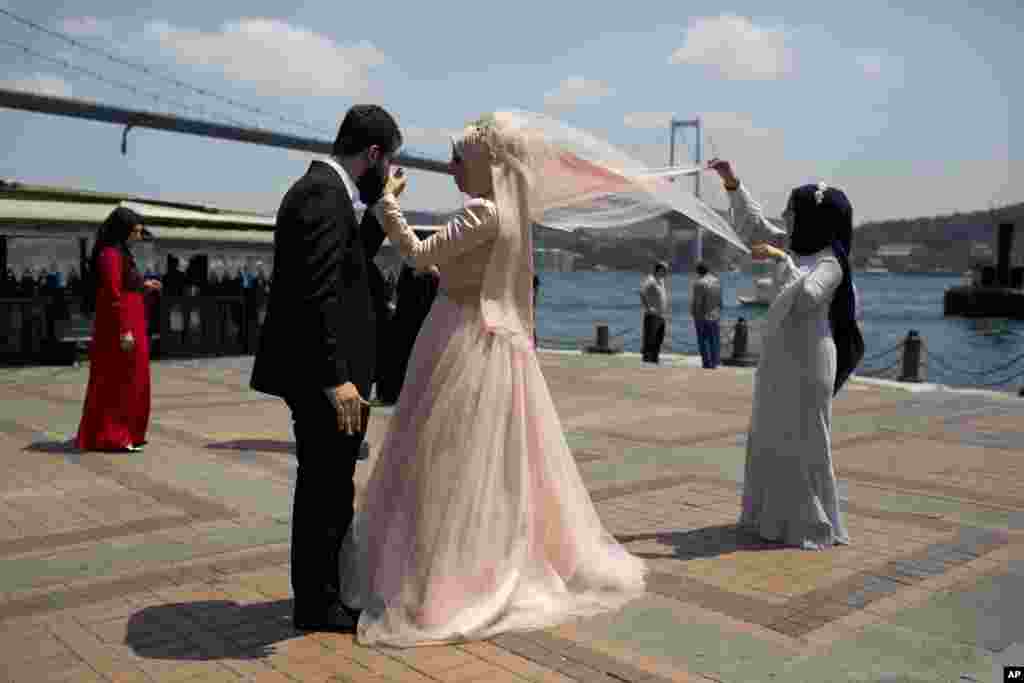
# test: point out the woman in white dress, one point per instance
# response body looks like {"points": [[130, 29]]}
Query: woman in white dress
{"points": [[475, 520], [810, 345]]}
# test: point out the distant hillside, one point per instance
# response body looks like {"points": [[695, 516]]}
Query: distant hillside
{"points": [[942, 242], [976, 226]]}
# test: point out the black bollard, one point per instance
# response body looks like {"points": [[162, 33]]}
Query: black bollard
{"points": [[911, 358], [601, 344], [740, 340]]}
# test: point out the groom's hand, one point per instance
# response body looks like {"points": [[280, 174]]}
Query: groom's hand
{"points": [[350, 408]]}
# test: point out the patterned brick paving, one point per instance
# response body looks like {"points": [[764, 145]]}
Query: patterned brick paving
{"points": [[183, 569]]}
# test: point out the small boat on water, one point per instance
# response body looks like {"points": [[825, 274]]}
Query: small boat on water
{"points": [[876, 266]]}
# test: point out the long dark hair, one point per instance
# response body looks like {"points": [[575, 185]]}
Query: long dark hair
{"points": [[114, 232], [822, 217]]}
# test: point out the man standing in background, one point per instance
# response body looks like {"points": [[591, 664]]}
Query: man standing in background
{"points": [[706, 309], [655, 299]]}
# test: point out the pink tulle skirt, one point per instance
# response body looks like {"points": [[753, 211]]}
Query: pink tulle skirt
{"points": [[475, 520]]}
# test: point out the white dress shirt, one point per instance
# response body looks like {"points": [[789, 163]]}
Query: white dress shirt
{"points": [[353, 193], [350, 185]]}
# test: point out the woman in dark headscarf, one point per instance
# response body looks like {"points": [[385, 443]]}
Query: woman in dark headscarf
{"points": [[810, 345], [117, 401]]}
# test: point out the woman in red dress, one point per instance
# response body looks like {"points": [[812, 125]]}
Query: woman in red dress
{"points": [[116, 412]]}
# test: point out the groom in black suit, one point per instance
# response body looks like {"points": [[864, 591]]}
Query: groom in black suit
{"points": [[318, 344]]}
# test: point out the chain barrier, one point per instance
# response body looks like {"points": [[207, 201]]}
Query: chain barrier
{"points": [[942, 362], [681, 344], [670, 343], [874, 357], [1005, 381], [879, 372]]}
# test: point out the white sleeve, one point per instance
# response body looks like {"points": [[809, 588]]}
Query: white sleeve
{"points": [[749, 220], [475, 224]]}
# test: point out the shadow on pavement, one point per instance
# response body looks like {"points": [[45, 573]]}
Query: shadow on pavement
{"points": [[66, 447], [210, 629], [264, 445], [709, 541]]}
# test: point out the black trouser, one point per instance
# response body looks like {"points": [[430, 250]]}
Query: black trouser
{"points": [[324, 500], [654, 335]]}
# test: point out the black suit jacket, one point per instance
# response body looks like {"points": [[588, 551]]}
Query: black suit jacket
{"points": [[320, 327]]}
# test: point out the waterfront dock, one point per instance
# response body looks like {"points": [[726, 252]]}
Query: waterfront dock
{"points": [[172, 564]]}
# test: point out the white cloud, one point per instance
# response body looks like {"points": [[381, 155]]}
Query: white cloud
{"points": [[280, 59], [646, 120], [736, 48], [576, 90], [40, 84], [87, 26]]}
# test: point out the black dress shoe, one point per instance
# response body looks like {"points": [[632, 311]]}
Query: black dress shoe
{"points": [[352, 612], [338, 618]]}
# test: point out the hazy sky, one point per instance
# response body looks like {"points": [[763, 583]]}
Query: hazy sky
{"points": [[906, 107]]}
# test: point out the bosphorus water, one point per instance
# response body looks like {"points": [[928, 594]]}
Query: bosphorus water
{"points": [[959, 351]]}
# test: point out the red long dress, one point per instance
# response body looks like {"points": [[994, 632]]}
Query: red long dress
{"points": [[117, 402]]}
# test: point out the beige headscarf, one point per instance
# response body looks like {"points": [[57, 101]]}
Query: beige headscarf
{"points": [[489, 147]]}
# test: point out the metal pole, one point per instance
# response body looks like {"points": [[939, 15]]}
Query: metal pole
{"points": [[80, 109], [695, 123], [672, 143], [700, 231]]}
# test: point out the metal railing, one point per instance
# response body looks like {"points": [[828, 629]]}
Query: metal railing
{"points": [[40, 329]]}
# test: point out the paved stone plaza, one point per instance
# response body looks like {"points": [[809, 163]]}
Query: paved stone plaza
{"points": [[172, 564]]}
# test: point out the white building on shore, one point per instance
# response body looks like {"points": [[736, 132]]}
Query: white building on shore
{"points": [[561, 260]]}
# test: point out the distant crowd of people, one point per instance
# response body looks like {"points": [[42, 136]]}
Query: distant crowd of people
{"points": [[40, 282], [192, 280]]}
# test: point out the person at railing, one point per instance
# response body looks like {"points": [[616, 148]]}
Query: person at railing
{"points": [[810, 343], [28, 286], [214, 283], [53, 278], [380, 293], [261, 278], [415, 291], [9, 283], [117, 402], [174, 279], [654, 296], [706, 309], [74, 282], [196, 276]]}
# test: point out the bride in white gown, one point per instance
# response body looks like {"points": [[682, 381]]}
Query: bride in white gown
{"points": [[475, 520]]}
